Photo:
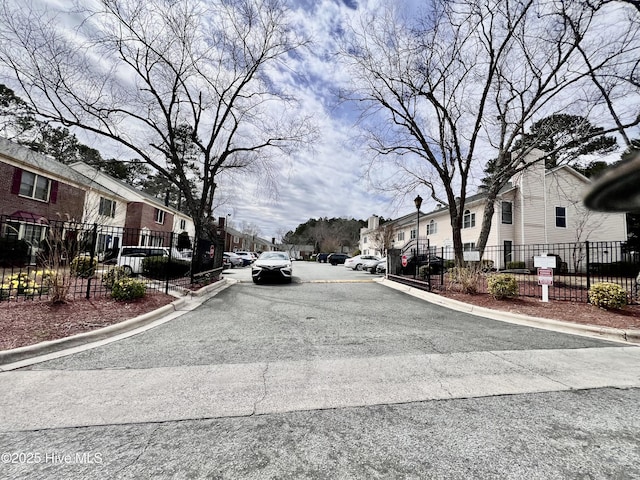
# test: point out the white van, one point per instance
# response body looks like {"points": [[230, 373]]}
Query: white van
{"points": [[130, 258]]}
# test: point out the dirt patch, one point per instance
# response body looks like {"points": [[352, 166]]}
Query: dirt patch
{"points": [[27, 322], [574, 312]]}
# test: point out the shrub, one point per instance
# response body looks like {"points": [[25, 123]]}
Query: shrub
{"points": [[432, 269], [13, 252], [113, 275], [502, 286], [159, 267], [20, 284], [82, 266], [465, 278], [607, 295], [515, 265], [128, 289]]}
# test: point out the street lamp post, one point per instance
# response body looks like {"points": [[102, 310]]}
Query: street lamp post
{"points": [[418, 202]]}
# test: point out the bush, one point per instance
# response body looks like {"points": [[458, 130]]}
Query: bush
{"points": [[607, 295], [465, 278], [425, 270], [21, 284], [615, 269], [128, 289], [13, 253], [82, 266], [113, 275], [515, 265], [159, 267], [502, 286]]}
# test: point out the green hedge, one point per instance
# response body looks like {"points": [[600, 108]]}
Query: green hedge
{"points": [[128, 289], [158, 267], [82, 266], [516, 265], [502, 285], [608, 296], [615, 269], [13, 252]]}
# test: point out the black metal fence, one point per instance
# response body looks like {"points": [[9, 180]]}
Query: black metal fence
{"points": [[53, 259], [578, 266]]}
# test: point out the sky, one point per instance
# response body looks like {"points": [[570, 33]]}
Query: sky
{"points": [[327, 180]]}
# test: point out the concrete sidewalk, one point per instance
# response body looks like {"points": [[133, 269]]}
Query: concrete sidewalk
{"points": [[34, 400]]}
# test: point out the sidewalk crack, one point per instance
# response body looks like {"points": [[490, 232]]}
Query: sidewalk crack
{"points": [[264, 390]]}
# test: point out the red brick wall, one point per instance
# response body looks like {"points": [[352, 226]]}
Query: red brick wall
{"points": [[68, 205], [141, 215]]}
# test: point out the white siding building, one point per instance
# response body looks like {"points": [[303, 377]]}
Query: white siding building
{"points": [[538, 206]]}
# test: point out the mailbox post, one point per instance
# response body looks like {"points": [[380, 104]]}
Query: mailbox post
{"points": [[545, 265]]}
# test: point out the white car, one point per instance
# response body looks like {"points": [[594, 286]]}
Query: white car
{"points": [[356, 263], [246, 257], [235, 260], [272, 265], [130, 258]]}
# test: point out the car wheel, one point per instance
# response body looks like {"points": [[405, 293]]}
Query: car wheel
{"points": [[128, 270], [359, 267]]}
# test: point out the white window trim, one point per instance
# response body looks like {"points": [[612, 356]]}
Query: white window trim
{"points": [[555, 216], [33, 189], [160, 213], [472, 219]]}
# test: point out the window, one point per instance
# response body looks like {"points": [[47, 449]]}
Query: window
{"points": [[507, 213], [364, 240], [468, 247], [469, 219], [400, 236], [107, 207], [159, 216], [561, 217], [35, 186], [183, 224], [431, 227], [413, 234]]}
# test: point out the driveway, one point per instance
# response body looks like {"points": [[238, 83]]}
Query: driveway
{"points": [[332, 376]]}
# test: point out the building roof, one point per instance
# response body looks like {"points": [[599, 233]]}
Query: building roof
{"points": [[48, 166], [125, 186]]}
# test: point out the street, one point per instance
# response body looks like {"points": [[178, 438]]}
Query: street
{"points": [[332, 376]]}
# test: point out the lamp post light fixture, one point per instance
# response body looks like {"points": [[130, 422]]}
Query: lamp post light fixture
{"points": [[418, 202]]}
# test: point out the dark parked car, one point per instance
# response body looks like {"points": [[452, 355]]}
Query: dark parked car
{"points": [[337, 258], [322, 257], [437, 264]]}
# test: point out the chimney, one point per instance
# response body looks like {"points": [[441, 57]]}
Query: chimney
{"points": [[273, 240], [220, 222]]}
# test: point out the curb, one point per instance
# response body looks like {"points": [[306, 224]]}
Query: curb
{"points": [[594, 331], [130, 326]]}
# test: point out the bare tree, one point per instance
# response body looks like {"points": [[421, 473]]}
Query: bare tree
{"points": [[382, 237], [443, 94], [183, 85]]}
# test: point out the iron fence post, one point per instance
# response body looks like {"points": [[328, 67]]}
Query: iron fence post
{"points": [[168, 265], [94, 241], [586, 243]]}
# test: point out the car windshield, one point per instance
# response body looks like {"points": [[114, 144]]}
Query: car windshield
{"points": [[274, 256]]}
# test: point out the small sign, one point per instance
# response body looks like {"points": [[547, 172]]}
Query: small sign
{"points": [[544, 261], [545, 276], [212, 250], [404, 260], [471, 256]]}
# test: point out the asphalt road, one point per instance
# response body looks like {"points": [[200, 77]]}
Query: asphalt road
{"points": [[333, 376]]}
